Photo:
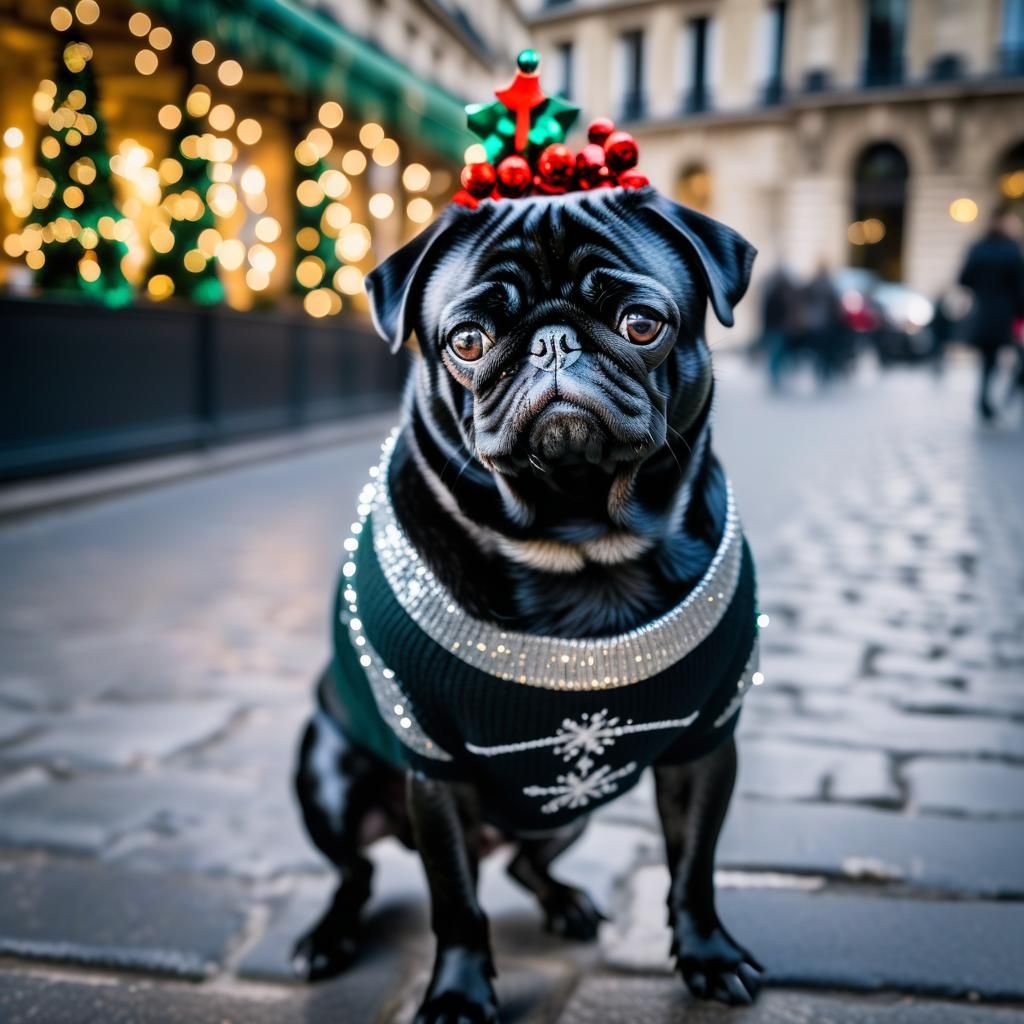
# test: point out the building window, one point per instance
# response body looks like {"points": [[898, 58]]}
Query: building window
{"points": [[696, 61], [566, 70], [875, 231], [775, 51], [886, 30], [631, 45], [1011, 44]]}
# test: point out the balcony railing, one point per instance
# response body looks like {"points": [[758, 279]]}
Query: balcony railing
{"points": [[634, 106], [697, 100]]}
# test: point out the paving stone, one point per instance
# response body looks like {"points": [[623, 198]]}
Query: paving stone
{"points": [[967, 788], [812, 672], [119, 735], [898, 665], [856, 942], [800, 771], [14, 723], [973, 857], [618, 999], [85, 913]]}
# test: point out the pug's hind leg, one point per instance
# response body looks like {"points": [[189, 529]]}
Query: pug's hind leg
{"points": [[568, 910], [692, 801], [339, 788], [446, 826]]}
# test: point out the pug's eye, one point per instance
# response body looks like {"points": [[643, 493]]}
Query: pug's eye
{"points": [[469, 342], [640, 327]]}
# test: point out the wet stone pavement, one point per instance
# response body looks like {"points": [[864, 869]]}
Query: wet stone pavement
{"points": [[156, 654]]}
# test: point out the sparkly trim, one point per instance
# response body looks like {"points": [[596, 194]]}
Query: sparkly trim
{"points": [[750, 677], [551, 662], [392, 703]]}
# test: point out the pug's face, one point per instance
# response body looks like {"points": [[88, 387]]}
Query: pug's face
{"points": [[564, 335]]}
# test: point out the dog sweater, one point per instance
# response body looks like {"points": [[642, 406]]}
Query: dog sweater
{"points": [[548, 728]]}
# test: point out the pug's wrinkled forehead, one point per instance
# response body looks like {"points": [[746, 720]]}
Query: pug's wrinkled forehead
{"points": [[591, 253]]}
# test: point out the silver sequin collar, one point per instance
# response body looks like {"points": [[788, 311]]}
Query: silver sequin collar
{"points": [[552, 662]]}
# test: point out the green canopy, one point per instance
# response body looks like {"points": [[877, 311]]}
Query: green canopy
{"points": [[317, 56]]}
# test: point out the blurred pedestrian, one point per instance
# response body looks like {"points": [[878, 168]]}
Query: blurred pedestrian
{"points": [[778, 300], [994, 273], [821, 315]]}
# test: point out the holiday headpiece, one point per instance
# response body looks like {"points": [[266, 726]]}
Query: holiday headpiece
{"points": [[523, 134]]}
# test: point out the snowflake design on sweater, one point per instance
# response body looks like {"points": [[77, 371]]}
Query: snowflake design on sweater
{"points": [[592, 735], [574, 790]]}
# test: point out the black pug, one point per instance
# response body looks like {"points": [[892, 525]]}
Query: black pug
{"points": [[549, 590]]}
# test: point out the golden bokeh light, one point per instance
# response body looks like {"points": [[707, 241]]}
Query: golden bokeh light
{"points": [[963, 210], [305, 153], [371, 135], [331, 114], [209, 240], [249, 131], [160, 287], [309, 192], [231, 253], [194, 261], [256, 279], [416, 178], [160, 38], [475, 154], [335, 184], [89, 269], [198, 102], [381, 205], [419, 210], [35, 259], [310, 271], [203, 51], [230, 72], [386, 153], [49, 147], [1012, 184], [318, 303], [221, 117], [262, 258], [320, 139], [169, 116], [222, 199], [139, 24], [87, 11], [170, 170], [307, 238], [349, 280], [73, 197], [161, 238], [146, 62], [13, 137], [353, 243], [336, 216], [267, 229], [353, 162], [253, 180], [61, 19]]}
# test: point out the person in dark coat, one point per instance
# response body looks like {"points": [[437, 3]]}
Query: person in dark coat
{"points": [[994, 273]]}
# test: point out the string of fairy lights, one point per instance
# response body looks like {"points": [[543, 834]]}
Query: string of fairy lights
{"points": [[184, 220]]}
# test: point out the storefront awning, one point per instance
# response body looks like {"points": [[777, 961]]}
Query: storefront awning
{"points": [[317, 56]]}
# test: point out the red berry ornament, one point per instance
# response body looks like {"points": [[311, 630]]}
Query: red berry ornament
{"points": [[599, 130], [463, 198], [479, 179], [591, 171], [514, 177], [620, 152], [556, 166], [633, 179]]}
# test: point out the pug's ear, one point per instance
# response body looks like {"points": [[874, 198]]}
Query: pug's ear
{"points": [[725, 257], [394, 286]]}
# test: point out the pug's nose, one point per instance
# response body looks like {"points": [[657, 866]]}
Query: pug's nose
{"points": [[554, 348]]}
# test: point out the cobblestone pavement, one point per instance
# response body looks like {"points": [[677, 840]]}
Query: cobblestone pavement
{"points": [[156, 653]]}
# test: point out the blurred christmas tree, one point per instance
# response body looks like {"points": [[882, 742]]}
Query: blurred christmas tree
{"points": [[185, 243], [83, 241], [318, 219]]}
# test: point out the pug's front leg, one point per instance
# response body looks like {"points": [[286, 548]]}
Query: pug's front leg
{"points": [[446, 826], [692, 801]]}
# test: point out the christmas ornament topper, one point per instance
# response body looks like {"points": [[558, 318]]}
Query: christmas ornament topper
{"points": [[523, 136]]}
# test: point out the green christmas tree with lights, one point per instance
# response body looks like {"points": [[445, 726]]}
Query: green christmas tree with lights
{"points": [[314, 235], [191, 267], [82, 227]]}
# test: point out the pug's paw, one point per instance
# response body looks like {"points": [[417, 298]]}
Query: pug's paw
{"points": [[572, 914], [460, 991], [326, 950], [713, 965]]}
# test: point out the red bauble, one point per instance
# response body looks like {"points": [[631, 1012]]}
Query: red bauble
{"points": [[620, 152], [599, 129], [633, 179], [514, 177], [478, 179], [556, 166], [463, 198], [545, 188], [591, 171]]}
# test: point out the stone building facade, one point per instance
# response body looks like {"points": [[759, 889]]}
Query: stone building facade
{"points": [[808, 123]]}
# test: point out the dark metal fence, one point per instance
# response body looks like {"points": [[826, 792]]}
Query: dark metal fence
{"points": [[82, 385]]}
